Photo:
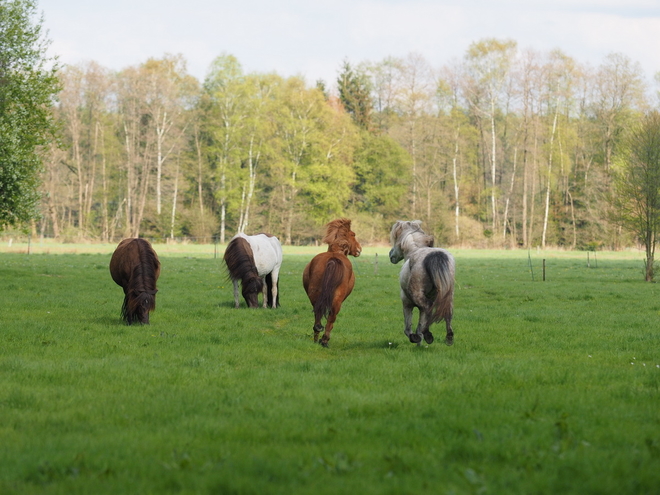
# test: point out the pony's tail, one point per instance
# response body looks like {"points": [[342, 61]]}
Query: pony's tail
{"points": [[440, 268], [140, 297], [332, 277]]}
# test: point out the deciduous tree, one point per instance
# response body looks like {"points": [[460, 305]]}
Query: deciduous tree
{"points": [[28, 85], [637, 186]]}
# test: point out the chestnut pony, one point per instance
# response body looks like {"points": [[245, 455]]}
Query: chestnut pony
{"points": [[135, 267], [426, 279], [328, 279]]}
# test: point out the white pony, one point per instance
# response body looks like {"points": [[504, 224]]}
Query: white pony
{"points": [[426, 279], [253, 259]]}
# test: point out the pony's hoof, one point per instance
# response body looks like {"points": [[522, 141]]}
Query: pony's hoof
{"points": [[428, 337], [449, 340], [414, 338], [324, 343]]}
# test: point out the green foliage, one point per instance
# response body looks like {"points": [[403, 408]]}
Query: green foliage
{"points": [[383, 175], [637, 193], [550, 387], [28, 85]]}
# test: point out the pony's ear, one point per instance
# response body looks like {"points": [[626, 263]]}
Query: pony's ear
{"points": [[396, 231], [416, 223]]}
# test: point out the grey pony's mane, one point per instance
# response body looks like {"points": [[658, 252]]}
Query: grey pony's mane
{"points": [[419, 237]]}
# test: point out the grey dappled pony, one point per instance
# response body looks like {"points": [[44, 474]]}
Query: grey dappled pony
{"points": [[426, 279]]}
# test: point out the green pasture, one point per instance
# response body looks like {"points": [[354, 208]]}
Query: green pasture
{"points": [[551, 386]]}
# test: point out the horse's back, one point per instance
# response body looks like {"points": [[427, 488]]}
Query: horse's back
{"points": [[267, 252], [315, 271], [424, 264], [130, 253]]}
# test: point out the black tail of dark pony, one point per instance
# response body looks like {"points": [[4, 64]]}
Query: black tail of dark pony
{"points": [[240, 265], [269, 286], [141, 291], [332, 277], [439, 266]]}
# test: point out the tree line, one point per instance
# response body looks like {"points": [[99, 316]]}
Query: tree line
{"points": [[503, 147]]}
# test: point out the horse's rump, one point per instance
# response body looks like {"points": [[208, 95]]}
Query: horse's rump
{"points": [[135, 267], [333, 275], [439, 266]]}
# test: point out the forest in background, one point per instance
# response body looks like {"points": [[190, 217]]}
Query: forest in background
{"points": [[505, 147]]}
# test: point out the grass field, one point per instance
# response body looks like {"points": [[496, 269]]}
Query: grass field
{"points": [[550, 387]]}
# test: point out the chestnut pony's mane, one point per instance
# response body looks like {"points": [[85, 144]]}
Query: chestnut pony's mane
{"points": [[337, 235]]}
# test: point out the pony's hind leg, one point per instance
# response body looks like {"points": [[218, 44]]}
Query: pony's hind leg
{"points": [[407, 320], [423, 326], [318, 328], [449, 339], [273, 293], [332, 316]]}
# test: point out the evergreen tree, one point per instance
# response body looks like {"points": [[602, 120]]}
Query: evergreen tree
{"points": [[28, 84], [355, 95]]}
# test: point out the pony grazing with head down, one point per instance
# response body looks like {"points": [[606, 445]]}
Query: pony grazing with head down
{"points": [[135, 267], [426, 279], [328, 279], [253, 259]]}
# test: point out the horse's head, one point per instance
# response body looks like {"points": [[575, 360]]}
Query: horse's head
{"points": [[404, 236], [251, 288], [340, 238]]}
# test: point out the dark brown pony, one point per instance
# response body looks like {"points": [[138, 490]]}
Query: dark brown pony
{"points": [[134, 265], [328, 279]]}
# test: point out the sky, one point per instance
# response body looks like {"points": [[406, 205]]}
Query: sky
{"points": [[312, 39]]}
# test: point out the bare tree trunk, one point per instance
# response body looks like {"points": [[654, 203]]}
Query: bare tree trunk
{"points": [[289, 220], [77, 159], [457, 209], [533, 193], [223, 207], [525, 233], [413, 148], [104, 180], [174, 199], [159, 162], [143, 198], [547, 193], [128, 229], [198, 146], [573, 223], [508, 198], [252, 171], [241, 210], [493, 161]]}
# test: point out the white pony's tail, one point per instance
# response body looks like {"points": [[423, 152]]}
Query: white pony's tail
{"points": [[440, 267]]}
